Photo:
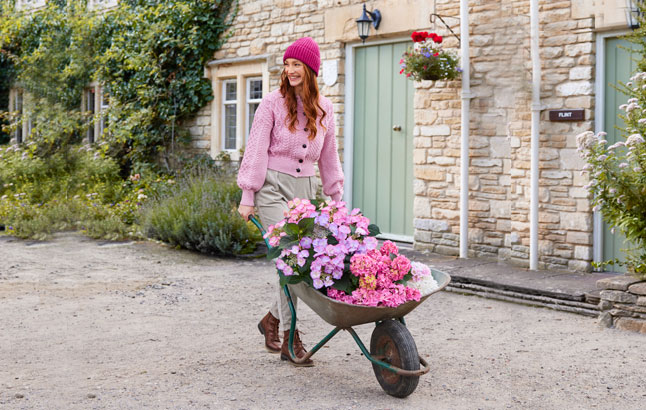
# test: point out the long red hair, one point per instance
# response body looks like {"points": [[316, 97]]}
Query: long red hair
{"points": [[310, 99]]}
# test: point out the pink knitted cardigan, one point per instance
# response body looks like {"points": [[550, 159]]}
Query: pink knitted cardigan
{"points": [[271, 145]]}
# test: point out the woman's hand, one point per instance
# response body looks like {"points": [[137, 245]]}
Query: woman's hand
{"points": [[245, 211]]}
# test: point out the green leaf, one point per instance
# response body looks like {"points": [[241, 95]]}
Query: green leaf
{"points": [[344, 284], [306, 225], [289, 280], [373, 230], [291, 229], [273, 252]]}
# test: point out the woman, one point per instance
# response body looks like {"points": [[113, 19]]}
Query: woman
{"points": [[293, 127]]}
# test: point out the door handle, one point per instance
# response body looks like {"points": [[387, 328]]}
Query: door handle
{"points": [[397, 128]]}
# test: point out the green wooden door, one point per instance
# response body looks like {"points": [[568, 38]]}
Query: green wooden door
{"points": [[382, 183], [619, 67]]}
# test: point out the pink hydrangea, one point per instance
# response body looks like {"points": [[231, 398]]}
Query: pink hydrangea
{"points": [[388, 248]]}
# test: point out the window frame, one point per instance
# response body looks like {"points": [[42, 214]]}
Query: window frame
{"points": [[249, 101], [225, 103]]}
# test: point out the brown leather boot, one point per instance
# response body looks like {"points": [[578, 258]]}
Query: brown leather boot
{"points": [[299, 350], [268, 327]]}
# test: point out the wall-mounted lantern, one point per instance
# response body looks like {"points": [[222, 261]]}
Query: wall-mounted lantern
{"points": [[633, 13], [363, 22]]}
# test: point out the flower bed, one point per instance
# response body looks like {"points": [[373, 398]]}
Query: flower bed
{"points": [[334, 250]]}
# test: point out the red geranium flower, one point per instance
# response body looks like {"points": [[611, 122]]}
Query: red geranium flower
{"points": [[419, 36]]}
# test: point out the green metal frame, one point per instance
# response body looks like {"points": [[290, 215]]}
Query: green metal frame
{"points": [[336, 330]]}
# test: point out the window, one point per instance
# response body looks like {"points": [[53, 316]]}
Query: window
{"points": [[238, 89], [17, 101], [254, 95], [230, 107], [238, 115], [90, 109], [105, 103]]}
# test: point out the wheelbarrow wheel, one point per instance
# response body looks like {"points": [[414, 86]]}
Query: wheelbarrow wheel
{"points": [[392, 343]]}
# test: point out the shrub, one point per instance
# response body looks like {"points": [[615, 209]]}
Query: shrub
{"points": [[201, 214]]}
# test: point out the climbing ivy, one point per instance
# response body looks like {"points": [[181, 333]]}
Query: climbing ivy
{"points": [[149, 55]]}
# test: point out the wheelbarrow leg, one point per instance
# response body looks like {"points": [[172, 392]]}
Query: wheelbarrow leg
{"points": [[292, 330]]}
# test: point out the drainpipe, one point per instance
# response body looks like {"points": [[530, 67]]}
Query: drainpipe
{"points": [[536, 113], [464, 142]]}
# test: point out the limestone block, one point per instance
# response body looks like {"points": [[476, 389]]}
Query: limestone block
{"points": [[578, 192], [576, 221], [421, 207], [504, 253], [422, 236], [435, 130], [202, 144], [581, 73], [605, 320], [579, 266], [422, 142], [556, 174], [574, 88], [583, 252], [618, 296], [570, 159], [439, 213], [581, 238], [579, 102], [638, 288], [631, 324], [641, 301], [447, 250], [429, 173], [501, 209], [431, 225], [486, 162], [419, 156], [574, 50], [419, 187], [621, 282]]}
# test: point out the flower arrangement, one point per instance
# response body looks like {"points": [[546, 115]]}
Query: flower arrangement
{"points": [[427, 60], [334, 250], [618, 176]]}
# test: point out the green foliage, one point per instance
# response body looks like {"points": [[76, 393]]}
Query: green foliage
{"points": [[200, 214], [618, 172], [149, 55], [154, 69]]}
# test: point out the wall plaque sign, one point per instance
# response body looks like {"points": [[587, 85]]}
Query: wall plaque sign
{"points": [[567, 115]]}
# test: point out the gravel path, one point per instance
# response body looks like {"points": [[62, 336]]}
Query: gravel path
{"points": [[87, 324]]}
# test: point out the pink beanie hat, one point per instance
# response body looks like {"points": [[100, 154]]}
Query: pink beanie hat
{"points": [[306, 50]]}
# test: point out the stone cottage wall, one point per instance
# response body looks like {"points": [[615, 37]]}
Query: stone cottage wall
{"points": [[500, 137], [623, 303], [268, 27]]}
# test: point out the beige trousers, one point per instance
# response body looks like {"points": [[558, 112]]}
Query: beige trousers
{"points": [[271, 201]]}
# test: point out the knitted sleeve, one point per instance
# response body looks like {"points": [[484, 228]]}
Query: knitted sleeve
{"points": [[329, 164], [253, 168]]}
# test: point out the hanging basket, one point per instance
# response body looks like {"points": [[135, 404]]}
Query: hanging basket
{"points": [[431, 77]]}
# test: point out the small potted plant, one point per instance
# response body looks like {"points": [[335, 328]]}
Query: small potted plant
{"points": [[427, 60]]}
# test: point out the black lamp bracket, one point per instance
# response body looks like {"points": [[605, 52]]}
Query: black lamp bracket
{"points": [[432, 19], [375, 15]]}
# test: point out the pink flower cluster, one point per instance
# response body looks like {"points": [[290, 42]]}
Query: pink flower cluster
{"points": [[327, 259], [378, 270]]}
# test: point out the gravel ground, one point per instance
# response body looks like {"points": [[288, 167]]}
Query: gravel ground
{"points": [[87, 324]]}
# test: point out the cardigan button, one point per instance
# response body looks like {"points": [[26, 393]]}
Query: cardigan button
{"points": [[304, 145], [300, 161], [305, 129], [298, 170]]}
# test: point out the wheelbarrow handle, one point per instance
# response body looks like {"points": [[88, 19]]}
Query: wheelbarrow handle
{"points": [[255, 221]]}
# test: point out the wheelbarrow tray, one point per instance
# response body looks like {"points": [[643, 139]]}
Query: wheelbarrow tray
{"points": [[345, 315]]}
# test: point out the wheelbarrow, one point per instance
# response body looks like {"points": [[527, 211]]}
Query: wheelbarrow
{"points": [[393, 353]]}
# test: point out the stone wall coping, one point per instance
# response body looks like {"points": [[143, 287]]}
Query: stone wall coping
{"points": [[638, 288], [618, 282], [234, 60]]}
